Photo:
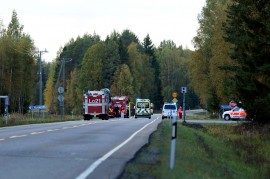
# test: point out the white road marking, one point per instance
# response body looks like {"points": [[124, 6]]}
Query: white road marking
{"points": [[92, 167], [17, 136], [35, 133], [49, 130], [52, 130]]}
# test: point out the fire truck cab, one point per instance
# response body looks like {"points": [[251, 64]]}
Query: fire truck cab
{"points": [[96, 104]]}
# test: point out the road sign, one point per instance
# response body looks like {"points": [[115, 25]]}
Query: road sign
{"points": [[232, 104], [39, 107], [61, 98], [174, 94], [175, 100], [183, 89], [60, 90]]}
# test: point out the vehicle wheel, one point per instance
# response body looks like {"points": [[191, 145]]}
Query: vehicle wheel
{"points": [[136, 117], [162, 117], [149, 117], [227, 117]]}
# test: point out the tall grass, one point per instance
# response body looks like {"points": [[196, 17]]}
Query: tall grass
{"points": [[20, 119], [204, 151]]}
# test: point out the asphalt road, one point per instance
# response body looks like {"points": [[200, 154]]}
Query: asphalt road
{"points": [[78, 149]]}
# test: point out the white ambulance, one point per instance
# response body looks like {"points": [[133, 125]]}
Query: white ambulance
{"points": [[143, 108]]}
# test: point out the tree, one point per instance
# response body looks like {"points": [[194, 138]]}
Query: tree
{"points": [[73, 98], [149, 50], [247, 28], [49, 93], [91, 72], [208, 78], [143, 76], [112, 58], [123, 82], [169, 58], [17, 66], [127, 37]]}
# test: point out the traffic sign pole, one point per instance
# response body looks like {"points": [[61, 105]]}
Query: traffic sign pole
{"points": [[184, 91]]}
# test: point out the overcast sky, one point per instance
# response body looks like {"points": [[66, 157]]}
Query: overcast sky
{"points": [[52, 23]]}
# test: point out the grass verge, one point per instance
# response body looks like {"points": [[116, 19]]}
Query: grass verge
{"points": [[204, 151], [19, 119]]}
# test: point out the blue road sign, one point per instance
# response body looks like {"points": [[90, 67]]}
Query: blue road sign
{"points": [[39, 107]]}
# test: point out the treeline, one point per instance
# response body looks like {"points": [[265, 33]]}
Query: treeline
{"points": [[17, 66], [230, 62], [124, 65], [120, 62]]}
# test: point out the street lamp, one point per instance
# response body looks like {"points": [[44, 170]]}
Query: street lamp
{"points": [[40, 75]]}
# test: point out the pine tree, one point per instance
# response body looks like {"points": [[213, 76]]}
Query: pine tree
{"points": [[156, 91], [247, 28]]}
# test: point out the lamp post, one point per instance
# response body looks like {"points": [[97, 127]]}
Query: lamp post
{"points": [[40, 75]]}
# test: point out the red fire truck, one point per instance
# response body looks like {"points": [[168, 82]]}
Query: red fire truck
{"points": [[119, 104], [96, 104]]}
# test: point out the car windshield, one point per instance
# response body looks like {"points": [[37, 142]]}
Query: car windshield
{"points": [[169, 107]]}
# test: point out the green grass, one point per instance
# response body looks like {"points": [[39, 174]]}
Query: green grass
{"points": [[19, 119], [208, 151], [202, 116]]}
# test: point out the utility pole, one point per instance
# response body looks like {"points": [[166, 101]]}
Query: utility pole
{"points": [[40, 75], [64, 60]]}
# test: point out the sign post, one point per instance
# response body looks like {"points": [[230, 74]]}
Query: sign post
{"points": [[61, 100], [38, 107], [6, 107], [184, 91], [173, 141]]}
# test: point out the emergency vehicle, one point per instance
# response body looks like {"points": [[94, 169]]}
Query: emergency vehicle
{"points": [[235, 113], [96, 104], [143, 108], [119, 104]]}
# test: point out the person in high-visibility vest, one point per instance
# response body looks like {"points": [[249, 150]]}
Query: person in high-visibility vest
{"points": [[180, 112], [122, 111]]}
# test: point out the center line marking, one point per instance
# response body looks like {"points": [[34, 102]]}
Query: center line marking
{"points": [[17, 136], [92, 167], [34, 133]]}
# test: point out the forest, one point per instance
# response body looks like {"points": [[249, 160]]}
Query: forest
{"points": [[230, 61]]}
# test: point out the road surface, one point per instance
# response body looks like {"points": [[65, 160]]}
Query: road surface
{"points": [[77, 149]]}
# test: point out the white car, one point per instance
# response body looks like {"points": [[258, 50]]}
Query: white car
{"points": [[169, 109]]}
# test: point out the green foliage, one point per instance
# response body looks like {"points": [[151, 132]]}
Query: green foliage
{"points": [[50, 88], [208, 151], [90, 74], [210, 81], [149, 50], [247, 28], [112, 58], [17, 68], [173, 70], [120, 60], [123, 82]]}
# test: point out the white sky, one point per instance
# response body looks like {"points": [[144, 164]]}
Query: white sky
{"points": [[52, 23]]}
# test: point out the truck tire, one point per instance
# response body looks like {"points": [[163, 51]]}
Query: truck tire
{"points": [[227, 117]]}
